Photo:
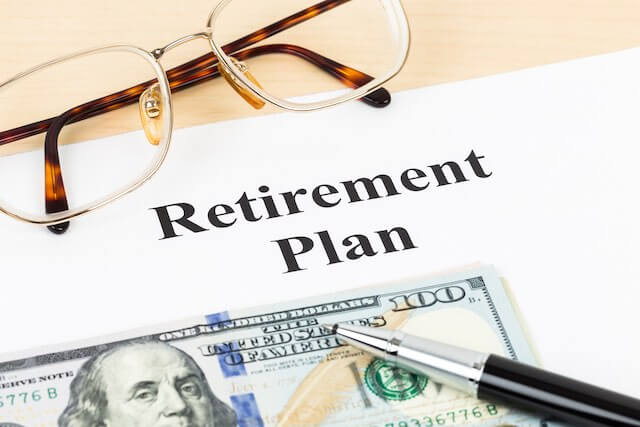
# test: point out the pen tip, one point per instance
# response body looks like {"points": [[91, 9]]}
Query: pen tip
{"points": [[333, 328]]}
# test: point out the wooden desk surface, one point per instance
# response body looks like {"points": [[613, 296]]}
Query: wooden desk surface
{"points": [[451, 39]]}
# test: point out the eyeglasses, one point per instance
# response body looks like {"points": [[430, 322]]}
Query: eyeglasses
{"points": [[309, 51]]}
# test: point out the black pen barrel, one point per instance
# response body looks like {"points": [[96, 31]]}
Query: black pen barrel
{"points": [[516, 384]]}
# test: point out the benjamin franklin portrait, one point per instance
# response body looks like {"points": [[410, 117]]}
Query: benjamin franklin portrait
{"points": [[144, 384]]}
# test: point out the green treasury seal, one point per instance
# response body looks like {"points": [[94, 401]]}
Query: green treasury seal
{"points": [[393, 383]]}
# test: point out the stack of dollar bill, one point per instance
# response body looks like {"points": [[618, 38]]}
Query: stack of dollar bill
{"points": [[272, 366]]}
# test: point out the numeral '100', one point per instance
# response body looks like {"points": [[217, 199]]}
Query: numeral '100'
{"points": [[422, 299]]}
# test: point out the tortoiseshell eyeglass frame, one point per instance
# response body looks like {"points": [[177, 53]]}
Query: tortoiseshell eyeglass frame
{"points": [[201, 69]]}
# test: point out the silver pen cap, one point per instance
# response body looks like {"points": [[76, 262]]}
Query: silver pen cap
{"points": [[443, 363]]}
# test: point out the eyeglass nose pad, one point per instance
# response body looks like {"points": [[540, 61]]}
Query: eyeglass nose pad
{"points": [[245, 93], [152, 113]]}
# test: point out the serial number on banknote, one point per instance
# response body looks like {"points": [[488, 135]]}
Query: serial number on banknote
{"points": [[25, 398], [449, 417]]}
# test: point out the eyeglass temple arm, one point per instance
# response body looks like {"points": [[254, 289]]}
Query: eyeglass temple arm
{"points": [[54, 191], [348, 76], [206, 69]]}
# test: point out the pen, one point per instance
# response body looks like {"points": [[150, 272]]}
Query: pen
{"points": [[495, 378]]}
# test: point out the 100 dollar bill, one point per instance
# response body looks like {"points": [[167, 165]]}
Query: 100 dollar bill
{"points": [[273, 366]]}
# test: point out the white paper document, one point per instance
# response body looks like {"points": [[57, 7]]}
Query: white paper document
{"points": [[534, 172]]}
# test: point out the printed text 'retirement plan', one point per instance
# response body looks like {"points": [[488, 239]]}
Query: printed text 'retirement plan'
{"points": [[179, 218]]}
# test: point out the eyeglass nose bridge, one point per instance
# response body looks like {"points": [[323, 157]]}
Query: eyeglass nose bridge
{"points": [[158, 53], [246, 94]]}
